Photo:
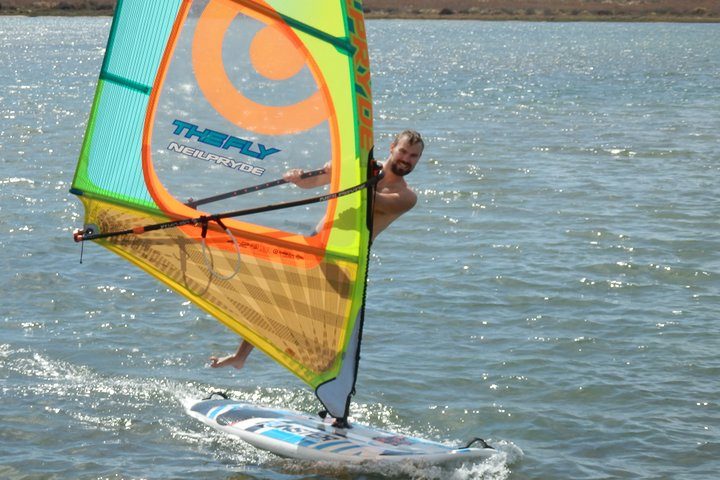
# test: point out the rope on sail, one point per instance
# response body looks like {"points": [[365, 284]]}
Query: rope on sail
{"points": [[207, 259]]}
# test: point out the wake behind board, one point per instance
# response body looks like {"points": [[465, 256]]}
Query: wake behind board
{"points": [[297, 435]]}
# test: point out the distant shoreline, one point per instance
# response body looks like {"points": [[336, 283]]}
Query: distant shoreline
{"points": [[541, 17], [429, 16], [68, 9]]}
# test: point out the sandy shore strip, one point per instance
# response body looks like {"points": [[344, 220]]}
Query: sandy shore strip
{"points": [[528, 10]]}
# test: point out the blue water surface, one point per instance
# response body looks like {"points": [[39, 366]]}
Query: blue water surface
{"points": [[556, 290]]}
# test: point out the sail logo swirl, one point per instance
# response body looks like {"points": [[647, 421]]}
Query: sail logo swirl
{"points": [[275, 52]]}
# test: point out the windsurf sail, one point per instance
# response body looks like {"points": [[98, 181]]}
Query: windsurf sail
{"points": [[214, 100]]}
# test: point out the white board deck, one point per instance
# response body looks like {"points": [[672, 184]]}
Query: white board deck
{"points": [[306, 437]]}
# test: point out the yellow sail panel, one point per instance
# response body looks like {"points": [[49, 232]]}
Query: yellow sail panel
{"points": [[292, 313], [235, 93]]}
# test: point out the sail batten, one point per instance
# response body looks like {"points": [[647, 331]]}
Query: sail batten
{"points": [[219, 97], [125, 82]]}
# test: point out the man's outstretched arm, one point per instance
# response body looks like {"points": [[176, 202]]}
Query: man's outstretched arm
{"points": [[295, 176]]}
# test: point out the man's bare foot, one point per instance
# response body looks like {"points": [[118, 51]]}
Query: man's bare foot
{"points": [[230, 360]]}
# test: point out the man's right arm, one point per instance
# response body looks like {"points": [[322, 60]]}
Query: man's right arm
{"points": [[395, 203]]}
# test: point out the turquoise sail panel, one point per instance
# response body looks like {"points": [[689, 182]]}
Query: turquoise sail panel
{"points": [[119, 137], [138, 40], [109, 164]]}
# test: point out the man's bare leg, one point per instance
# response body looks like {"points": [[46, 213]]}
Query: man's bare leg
{"points": [[237, 360]]}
